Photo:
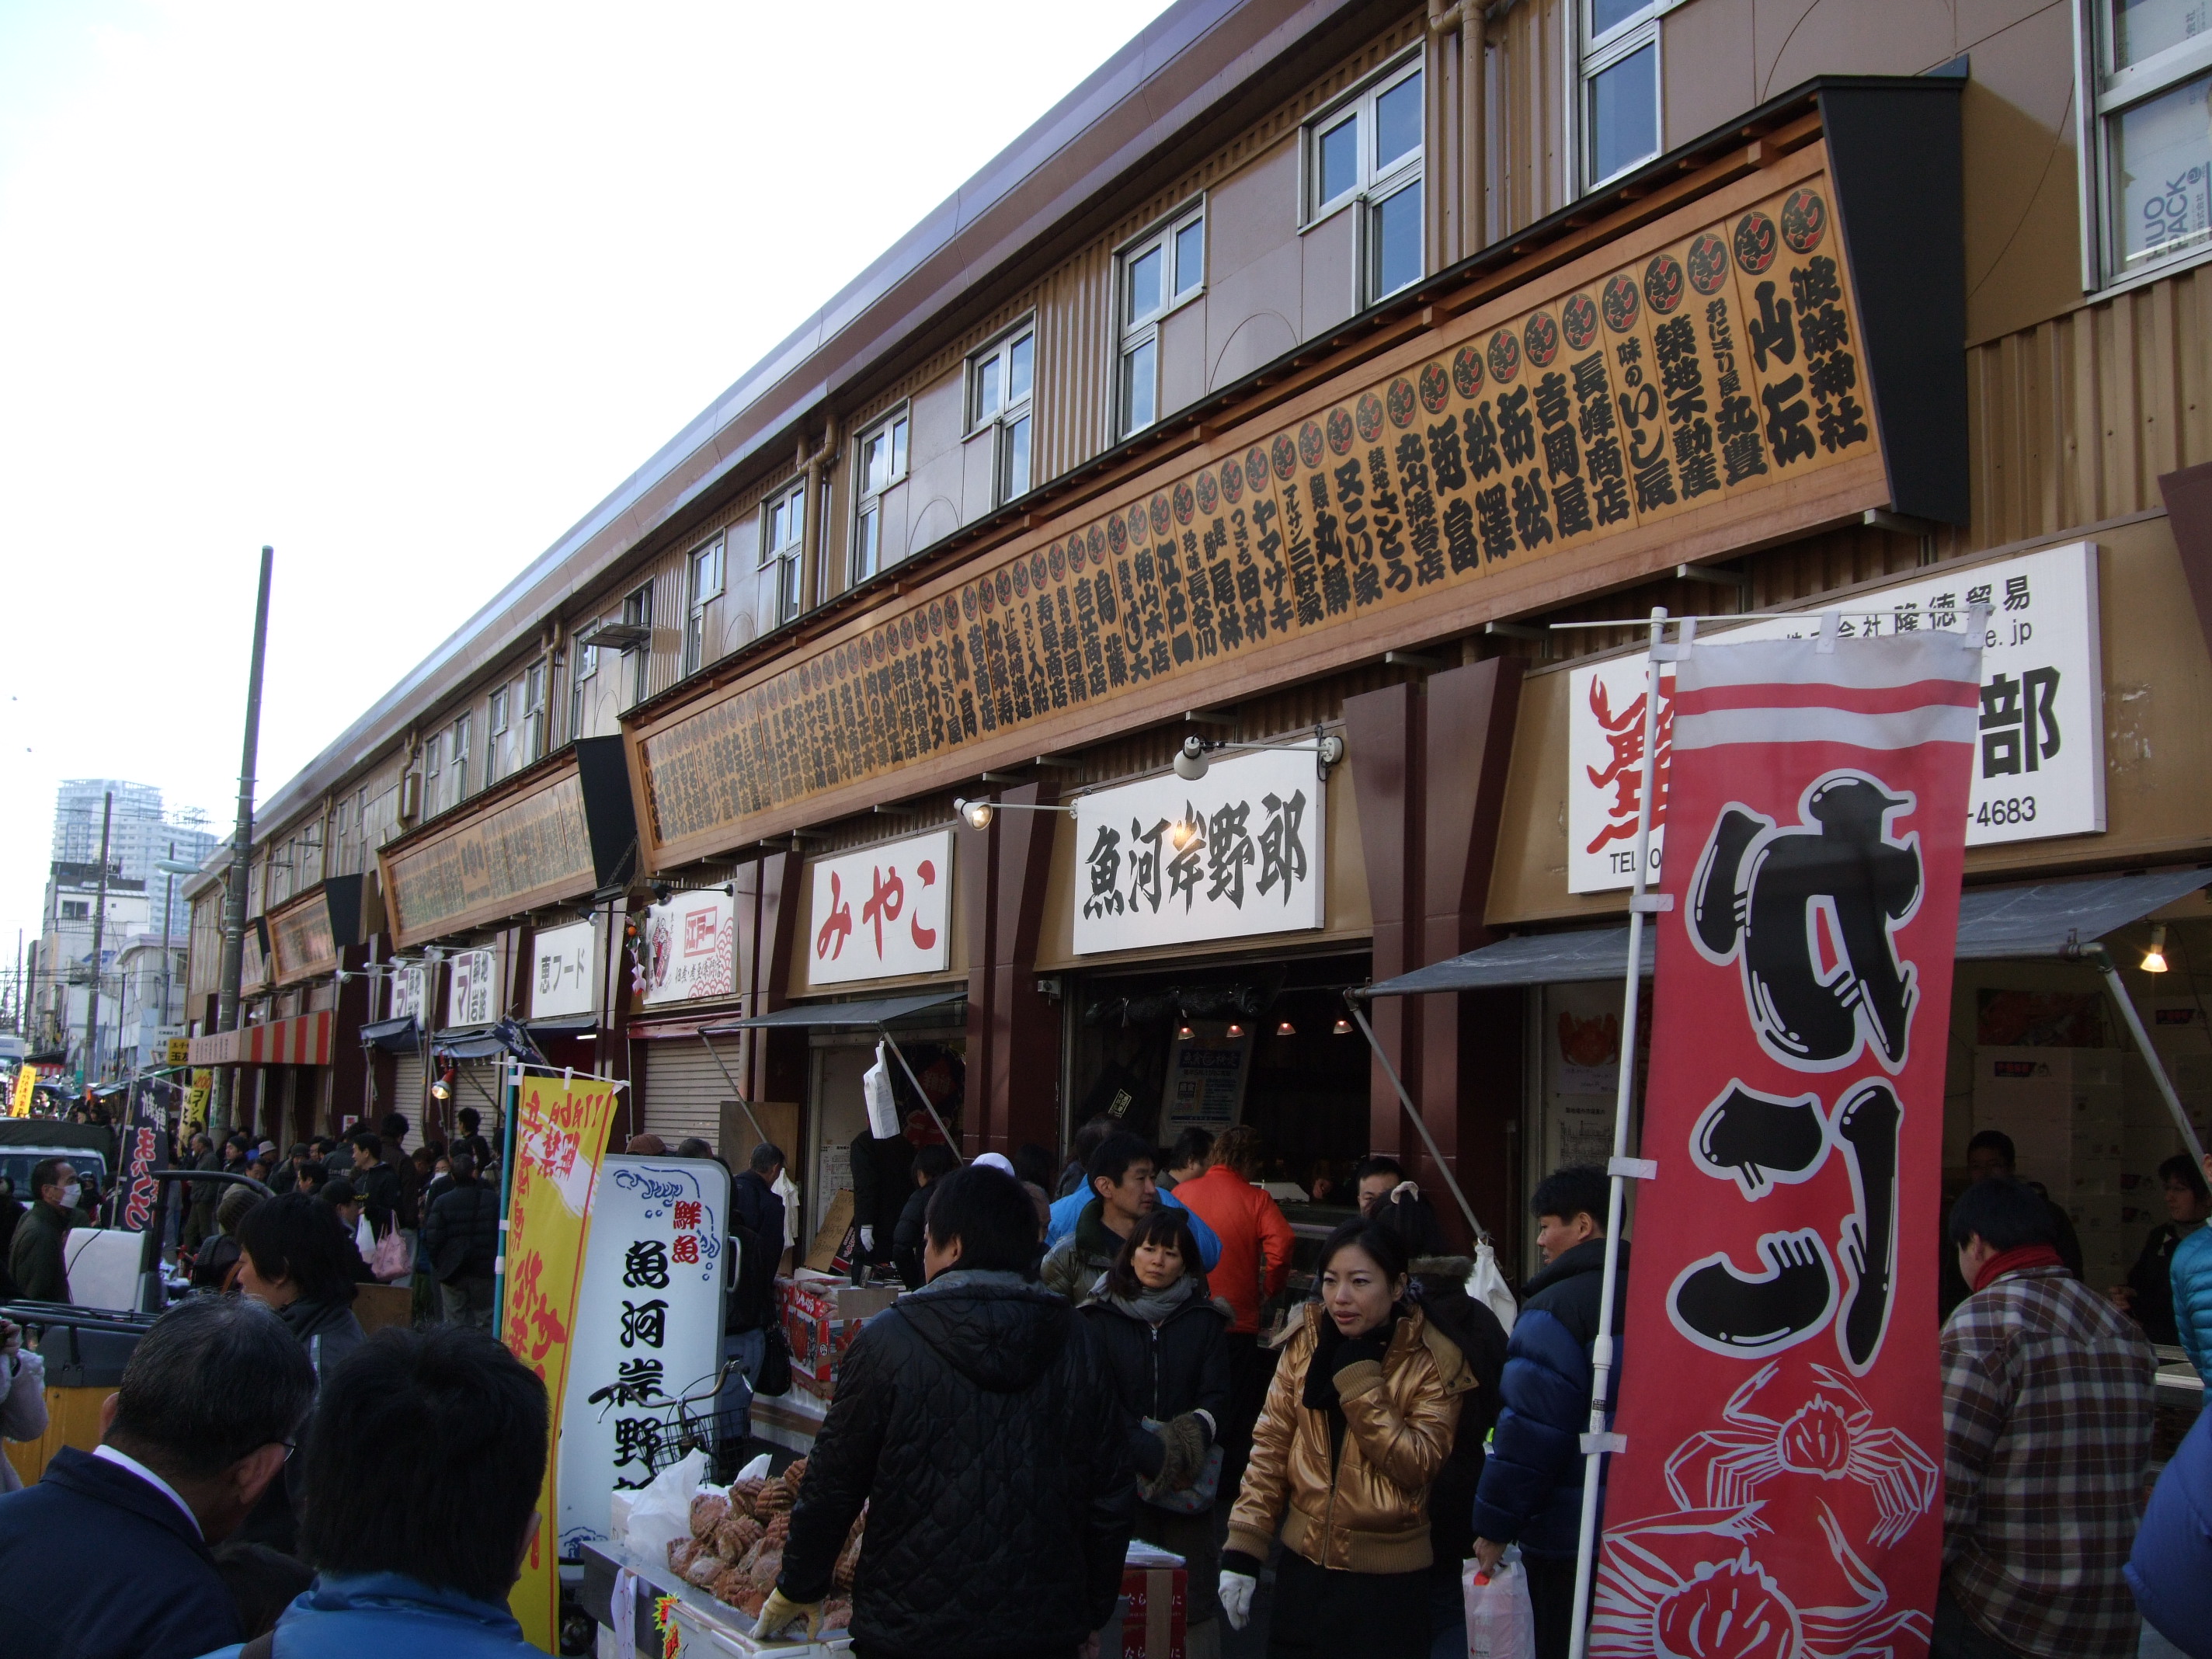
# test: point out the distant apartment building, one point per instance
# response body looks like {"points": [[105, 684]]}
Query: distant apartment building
{"points": [[141, 831]]}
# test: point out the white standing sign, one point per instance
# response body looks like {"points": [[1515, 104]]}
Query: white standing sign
{"points": [[471, 997], [690, 948], [411, 992], [1168, 862], [648, 1329], [564, 976], [2040, 762], [881, 912]]}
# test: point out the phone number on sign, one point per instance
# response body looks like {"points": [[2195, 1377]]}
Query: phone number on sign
{"points": [[2013, 809]]}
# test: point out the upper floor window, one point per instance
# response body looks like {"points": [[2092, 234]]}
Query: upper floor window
{"points": [[1001, 381], [783, 528], [501, 761], [1620, 86], [706, 588], [2147, 155], [580, 680], [533, 713], [1158, 272], [433, 781], [883, 463], [637, 612], [458, 769], [76, 909], [1366, 152]]}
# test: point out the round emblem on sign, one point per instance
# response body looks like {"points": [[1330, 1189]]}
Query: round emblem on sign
{"points": [[1399, 399], [1140, 523], [1309, 437], [1804, 217], [1340, 436], [968, 602], [1232, 482], [1620, 304], [1541, 334], [1662, 283], [1037, 571], [936, 615], [1369, 413], [1058, 560], [985, 594], [1504, 357], [1161, 511], [906, 632], [1466, 370], [1021, 575], [1208, 495], [1286, 451], [1097, 539], [1755, 243], [1708, 263], [1117, 533], [1255, 468], [1436, 387], [1184, 505], [1578, 321], [1005, 587]]}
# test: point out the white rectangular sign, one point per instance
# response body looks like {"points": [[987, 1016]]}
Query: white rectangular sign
{"points": [[565, 973], [471, 998], [648, 1329], [2039, 766], [411, 992], [690, 948], [1165, 861], [883, 911]]}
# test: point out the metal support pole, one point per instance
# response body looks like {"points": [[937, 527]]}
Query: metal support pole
{"points": [[743, 1104], [920, 1093], [99, 944], [1406, 1101], [2098, 958], [242, 859], [1598, 1440]]}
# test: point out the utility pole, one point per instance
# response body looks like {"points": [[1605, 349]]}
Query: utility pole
{"points": [[99, 940], [22, 1022], [241, 852], [168, 933]]}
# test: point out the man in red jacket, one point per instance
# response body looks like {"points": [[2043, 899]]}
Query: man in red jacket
{"points": [[1256, 1262]]}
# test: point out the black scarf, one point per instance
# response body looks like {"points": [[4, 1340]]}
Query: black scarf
{"points": [[1320, 1392]]}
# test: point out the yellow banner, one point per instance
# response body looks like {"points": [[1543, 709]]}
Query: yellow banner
{"points": [[561, 1133], [181, 1050], [26, 1083]]}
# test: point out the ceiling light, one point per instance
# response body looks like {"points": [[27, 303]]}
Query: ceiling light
{"points": [[1342, 1028], [1285, 1028], [1183, 1033], [977, 812], [2154, 960], [1234, 1030]]}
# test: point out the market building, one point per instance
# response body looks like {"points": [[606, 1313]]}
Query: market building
{"points": [[1262, 409]]}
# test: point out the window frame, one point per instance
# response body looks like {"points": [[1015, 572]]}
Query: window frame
{"points": [[584, 668], [456, 747], [786, 555], [1011, 412], [867, 503], [715, 547], [2101, 98], [434, 774], [535, 679], [637, 612], [1596, 53], [1132, 335], [499, 727], [1374, 183]]}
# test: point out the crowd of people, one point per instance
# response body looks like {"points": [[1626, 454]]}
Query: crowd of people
{"points": [[1111, 1350]]}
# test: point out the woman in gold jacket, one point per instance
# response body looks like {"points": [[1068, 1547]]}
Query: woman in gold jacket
{"points": [[1358, 1420]]}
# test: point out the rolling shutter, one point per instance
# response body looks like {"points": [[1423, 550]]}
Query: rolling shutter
{"points": [[683, 1089], [406, 1088]]}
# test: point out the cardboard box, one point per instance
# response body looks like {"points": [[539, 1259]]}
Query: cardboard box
{"points": [[821, 1317], [1154, 1627]]}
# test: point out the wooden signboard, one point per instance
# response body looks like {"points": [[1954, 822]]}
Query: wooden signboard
{"points": [[300, 937], [525, 849]]}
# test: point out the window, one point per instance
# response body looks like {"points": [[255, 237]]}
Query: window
{"points": [[883, 463], [783, 527], [1001, 379], [1158, 272], [459, 771], [637, 612], [433, 784], [1620, 86], [533, 713], [2147, 157], [706, 588], [1366, 153], [587, 668], [501, 761], [76, 909]]}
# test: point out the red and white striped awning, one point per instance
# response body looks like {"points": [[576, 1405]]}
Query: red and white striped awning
{"points": [[304, 1039]]}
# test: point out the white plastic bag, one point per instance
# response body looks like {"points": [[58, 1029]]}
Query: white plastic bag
{"points": [[661, 1514], [882, 1107], [1501, 1624], [1487, 1285]]}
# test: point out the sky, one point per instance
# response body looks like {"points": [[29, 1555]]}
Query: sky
{"points": [[401, 291]]}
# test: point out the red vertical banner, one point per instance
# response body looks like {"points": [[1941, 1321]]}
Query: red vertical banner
{"points": [[1781, 1492]]}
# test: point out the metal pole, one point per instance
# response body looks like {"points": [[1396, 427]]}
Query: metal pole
{"points": [[168, 933], [2098, 956], [743, 1105], [1406, 1101], [1599, 1439], [99, 943], [920, 1093], [241, 859]]}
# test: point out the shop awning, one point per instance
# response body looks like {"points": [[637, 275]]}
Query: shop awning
{"points": [[302, 1040], [394, 1037], [480, 1042], [1994, 923], [565, 1026], [826, 1016]]}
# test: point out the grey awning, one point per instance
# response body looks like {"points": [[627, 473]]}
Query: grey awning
{"points": [[477, 1042], [394, 1037], [826, 1016], [565, 1026], [1994, 922]]}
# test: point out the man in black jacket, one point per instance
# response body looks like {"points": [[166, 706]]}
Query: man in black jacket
{"points": [[376, 1181], [460, 1238], [107, 1557], [757, 1232], [882, 1176], [974, 1420]]}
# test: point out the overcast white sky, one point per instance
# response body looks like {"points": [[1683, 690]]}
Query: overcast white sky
{"points": [[403, 290]]}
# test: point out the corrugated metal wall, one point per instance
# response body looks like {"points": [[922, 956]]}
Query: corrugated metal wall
{"points": [[1524, 85], [684, 1088]]}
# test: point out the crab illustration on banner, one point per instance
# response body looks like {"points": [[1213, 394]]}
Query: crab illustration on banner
{"points": [[1780, 1492]]}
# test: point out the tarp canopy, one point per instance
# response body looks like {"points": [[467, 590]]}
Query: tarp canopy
{"points": [[823, 1016], [481, 1043], [1994, 923], [564, 1025], [394, 1037]]}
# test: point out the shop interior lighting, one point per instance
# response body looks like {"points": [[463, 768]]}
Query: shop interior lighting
{"points": [[1285, 1028], [1191, 762], [2154, 960], [1183, 1031], [1234, 1030], [1342, 1028]]}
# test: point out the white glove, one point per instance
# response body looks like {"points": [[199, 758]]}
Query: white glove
{"points": [[1236, 1590], [867, 1236]]}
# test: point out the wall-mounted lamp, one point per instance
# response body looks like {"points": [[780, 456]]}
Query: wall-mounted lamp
{"points": [[978, 813], [2154, 960], [1191, 762], [443, 1088]]}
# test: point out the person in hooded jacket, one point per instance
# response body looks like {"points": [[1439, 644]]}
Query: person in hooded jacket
{"points": [[1163, 1338], [2190, 1281], [2170, 1569], [977, 1420], [1360, 1420]]}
